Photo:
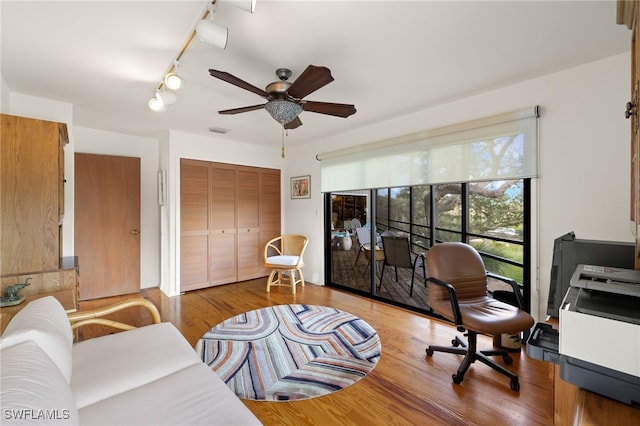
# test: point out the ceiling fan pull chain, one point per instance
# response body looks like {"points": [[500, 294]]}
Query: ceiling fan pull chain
{"points": [[282, 149]]}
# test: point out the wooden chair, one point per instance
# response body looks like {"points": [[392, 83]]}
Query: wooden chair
{"points": [[458, 292], [283, 255]]}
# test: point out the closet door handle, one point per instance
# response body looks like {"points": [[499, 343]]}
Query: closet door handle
{"points": [[135, 232]]}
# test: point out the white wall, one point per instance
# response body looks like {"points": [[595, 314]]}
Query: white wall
{"points": [[185, 145], [584, 164], [4, 97], [91, 141], [583, 183]]}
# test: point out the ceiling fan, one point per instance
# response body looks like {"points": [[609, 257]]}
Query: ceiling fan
{"points": [[285, 100]]}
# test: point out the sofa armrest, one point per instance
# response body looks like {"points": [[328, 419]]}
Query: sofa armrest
{"points": [[78, 319]]}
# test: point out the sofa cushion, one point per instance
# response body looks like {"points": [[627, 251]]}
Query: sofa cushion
{"points": [[32, 389], [194, 395], [115, 363], [45, 322]]}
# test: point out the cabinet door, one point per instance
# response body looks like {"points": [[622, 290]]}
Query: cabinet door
{"points": [[249, 260], [222, 213], [194, 225], [29, 195], [635, 134]]}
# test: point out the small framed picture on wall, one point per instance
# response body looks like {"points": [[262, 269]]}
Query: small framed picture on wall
{"points": [[301, 187]]}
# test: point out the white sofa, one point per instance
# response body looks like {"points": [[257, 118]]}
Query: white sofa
{"points": [[145, 376]]}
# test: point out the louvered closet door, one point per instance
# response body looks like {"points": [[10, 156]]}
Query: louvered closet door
{"points": [[249, 259], [194, 225], [223, 224], [269, 210]]}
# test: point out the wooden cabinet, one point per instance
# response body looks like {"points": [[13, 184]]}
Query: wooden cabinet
{"points": [[628, 13], [228, 212], [31, 194], [61, 283]]}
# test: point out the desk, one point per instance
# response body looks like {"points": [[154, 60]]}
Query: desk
{"points": [[576, 406]]}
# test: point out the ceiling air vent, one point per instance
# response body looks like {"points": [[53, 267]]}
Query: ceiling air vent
{"points": [[220, 130]]}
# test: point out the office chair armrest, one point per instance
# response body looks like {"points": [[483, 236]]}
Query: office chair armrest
{"points": [[453, 297], [514, 285]]}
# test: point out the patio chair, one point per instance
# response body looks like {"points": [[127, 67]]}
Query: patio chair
{"points": [[397, 253]]}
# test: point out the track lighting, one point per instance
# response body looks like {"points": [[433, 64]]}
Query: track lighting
{"points": [[246, 5], [208, 32], [173, 81], [155, 103], [167, 98], [212, 33]]}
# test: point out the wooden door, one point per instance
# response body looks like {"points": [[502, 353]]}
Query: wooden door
{"points": [[223, 261], [194, 225], [248, 253], [107, 224], [269, 211]]}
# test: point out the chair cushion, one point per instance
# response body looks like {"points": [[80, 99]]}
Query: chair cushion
{"points": [[197, 396], [487, 315], [115, 363], [44, 322], [33, 390], [282, 260]]}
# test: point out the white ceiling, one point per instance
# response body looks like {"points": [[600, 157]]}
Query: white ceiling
{"points": [[388, 58]]}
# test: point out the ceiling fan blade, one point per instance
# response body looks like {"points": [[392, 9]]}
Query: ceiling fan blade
{"points": [[293, 124], [311, 79], [225, 76], [339, 110], [242, 109]]}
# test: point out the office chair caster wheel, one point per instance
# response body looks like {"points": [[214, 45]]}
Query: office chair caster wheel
{"points": [[515, 385], [429, 352], [507, 359], [457, 379], [455, 343]]}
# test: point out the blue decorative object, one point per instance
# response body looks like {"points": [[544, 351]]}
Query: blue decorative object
{"points": [[11, 296]]}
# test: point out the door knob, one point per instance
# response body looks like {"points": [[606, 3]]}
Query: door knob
{"points": [[135, 232]]}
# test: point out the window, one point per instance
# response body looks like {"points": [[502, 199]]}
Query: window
{"points": [[468, 182], [491, 216]]}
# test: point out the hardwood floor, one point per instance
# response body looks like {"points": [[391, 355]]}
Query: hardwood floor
{"points": [[405, 388]]}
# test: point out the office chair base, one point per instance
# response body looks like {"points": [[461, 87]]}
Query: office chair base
{"points": [[471, 355]]}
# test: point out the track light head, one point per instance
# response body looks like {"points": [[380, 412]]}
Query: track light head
{"points": [[212, 33], [246, 5], [155, 104], [173, 81]]}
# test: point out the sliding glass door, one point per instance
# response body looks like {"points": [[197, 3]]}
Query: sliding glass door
{"points": [[492, 216]]}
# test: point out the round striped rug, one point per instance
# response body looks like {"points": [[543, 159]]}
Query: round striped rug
{"points": [[290, 352]]}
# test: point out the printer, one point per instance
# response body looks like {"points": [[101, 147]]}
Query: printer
{"points": [[599, 342]]}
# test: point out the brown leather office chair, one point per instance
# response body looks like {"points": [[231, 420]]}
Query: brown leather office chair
{"points": [[458, 292]]}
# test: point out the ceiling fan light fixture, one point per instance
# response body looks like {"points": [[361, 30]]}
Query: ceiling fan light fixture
{"points": [[212, 33], [283, 111]]}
